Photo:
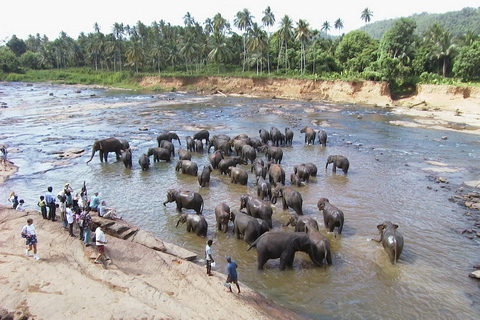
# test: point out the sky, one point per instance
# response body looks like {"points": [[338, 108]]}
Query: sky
{"points": [[50, 17]]}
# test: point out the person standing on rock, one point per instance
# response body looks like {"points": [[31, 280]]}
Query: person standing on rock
{"points": [[87, 221], [232, 273], [43, 207], [69, 215], [209, 257], [28, 232], [50, 200], [101, 241]]}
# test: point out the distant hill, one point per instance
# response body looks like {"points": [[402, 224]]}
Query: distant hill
{"points": [[457, 22]]}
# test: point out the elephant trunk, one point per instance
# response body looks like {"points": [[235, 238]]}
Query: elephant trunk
{"points": [[165, 203], [178, 222], [93, 154], [274, 199]]}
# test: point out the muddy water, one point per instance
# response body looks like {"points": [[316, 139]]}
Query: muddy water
{"points": [[389, 179]]}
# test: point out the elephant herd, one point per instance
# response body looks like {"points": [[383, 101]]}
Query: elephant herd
{"points": [[253, 221]]}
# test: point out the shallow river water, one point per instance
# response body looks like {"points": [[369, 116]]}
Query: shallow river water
{"points": [[389, 179]]}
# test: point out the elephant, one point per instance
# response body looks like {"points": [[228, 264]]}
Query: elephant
{"points": [[187, 167], [264, 189], [127, 158], [247, 226], [309, 135], [290, 198], [222, 216], [224, 164], [204, 176], [276, 174], [125, 144], [105, 146], [255, 142], [322, 138], [169, 136], [238, 175], [320, 245], [167, 145], [202, 134], [257, 208], [184, 154], [276, 136], [215, 158], [295, 180], [312, 168], [220, 144], [144, 162], [302, 172], [195, 223], [271, 152], [338, 162], [288, 136], [159, 154], [259, 169], [185, 199], [190, 143], [299, 222], [391, 239], [332, 216], [283, 245], [248, 153], [237, 145], [199, 146], [264, 135]]}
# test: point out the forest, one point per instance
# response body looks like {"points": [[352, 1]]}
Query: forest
{"points": [[422, 48]]}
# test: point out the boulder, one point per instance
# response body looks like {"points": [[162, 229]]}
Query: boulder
{"points": [[475, 274]]}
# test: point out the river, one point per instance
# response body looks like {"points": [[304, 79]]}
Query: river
{"points": [[390, 178]]}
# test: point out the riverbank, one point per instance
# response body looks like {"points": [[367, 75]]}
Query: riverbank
{"points": [[137, 283]]}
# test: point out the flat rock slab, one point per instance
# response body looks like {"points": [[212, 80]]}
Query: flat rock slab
{"points": [[180, 252], [475, 274], [473, 184]]}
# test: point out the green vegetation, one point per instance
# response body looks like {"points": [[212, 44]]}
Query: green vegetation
{"points": [[425, 48]]}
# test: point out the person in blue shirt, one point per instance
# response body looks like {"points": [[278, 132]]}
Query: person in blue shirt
{"points": [[232, 273], [94, 202]]}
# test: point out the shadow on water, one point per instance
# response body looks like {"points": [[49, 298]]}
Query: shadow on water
{"points": [[386, 181]]}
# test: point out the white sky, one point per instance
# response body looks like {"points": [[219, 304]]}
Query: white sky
{"points": [[49, 17]]}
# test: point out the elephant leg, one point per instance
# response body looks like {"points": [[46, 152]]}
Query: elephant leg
{"points": [[179, 207], [329, 257], [286, 258], [261, 260], [284, 202], [102, 155]]}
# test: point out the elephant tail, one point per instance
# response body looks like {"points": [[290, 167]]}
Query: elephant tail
{"points": [[201, 208], [253, 245]]}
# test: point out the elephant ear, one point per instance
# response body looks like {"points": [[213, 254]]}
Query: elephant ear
{"points": [[381, 227], [395, 226]]}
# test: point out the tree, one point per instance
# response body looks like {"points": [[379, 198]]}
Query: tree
{"points": [[8, 60], [220, 24], [135, 54], [467, 63], [356, 51], [258, 42], [243, 21], [399, 41], [188, 20], [338, 25], [285, 34], [30, 60], [326, 27], [442, 47], [17, 46], [302, 36], [366, 15], [220, 52], [268, 20], [468, 38]]}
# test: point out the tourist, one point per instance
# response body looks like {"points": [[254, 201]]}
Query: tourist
{"points": [[28, 232], [70, 219], [106, 212], [50, 200], [13, 199], [63, 206], [232, 273], [3, 154], [209, 257], [87, 221], [94, 202], [43, 207], [80, 221], [100, 242], [68, 194], [20, 207]]}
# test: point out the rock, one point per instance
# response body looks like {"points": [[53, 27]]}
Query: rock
{"points": [[148, 240], [475, 274], [477, 234], [359, 116], [444, 138], [71, 153], [472, 205], [473, 184], [441, 180]]}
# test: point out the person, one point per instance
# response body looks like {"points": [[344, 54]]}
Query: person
{"points": [[70, 219], [43, 207], [63, 206], [28, 232], [50, 200], [209, 257], [94, 202], [79, 221], [87, 220], [3, 156], [232, 273], [106, 212], [68, 194], [100, 242], [20, 205], [12, 197]]}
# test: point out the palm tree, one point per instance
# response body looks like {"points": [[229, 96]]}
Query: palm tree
{"points": [[338, 25], [189, 49], [302, 36], [326, 27], [268, 20], [442, 45], [243, 21], [220, 52], [468, 38], [188, 20], [220, 24], [118, 30], [285, 34], [135, 54], [208, 26], [366, 16], [258, 42]]}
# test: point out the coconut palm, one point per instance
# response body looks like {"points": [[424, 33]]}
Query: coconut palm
{"points": [[268, 20], [135, 54], [302, 35], [326, 27], [442, 46], [468, 38], [338, 25], [188, 20], [258, 43], [243, 21], [285, 34], [220, 52], [220, 24], [366, 15]]}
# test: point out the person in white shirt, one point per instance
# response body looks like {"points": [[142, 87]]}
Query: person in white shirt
{"points": [[28, 232], [21, 203], [209, 257], [70, 219], [100, 242]]}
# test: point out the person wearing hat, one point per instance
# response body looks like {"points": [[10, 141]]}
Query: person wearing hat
{"points": [[209, 257], [20, 205], [232, 273]]}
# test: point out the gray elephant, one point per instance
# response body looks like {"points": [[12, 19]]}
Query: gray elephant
{"points": [[302, 172], [290, 198], [332, 216], [184, 154], [309, 135], [258, 168], [201, 135], [276, 136], [255, 142], [312, 168], [127, 158], [159, 154], [320, 245], [215, 158], [222, 216], [299, 222], [195, 223], [125, 144], [167, 145], [295, 180], [283, 245], [219, 143], [276, 174], [238, 175], [248, 153], [169, 136], [257, 208], [288, 136], [224, 164], [185, 199], [264, 135], [238, 144], [190, 143], [273, 153], [264, 189], [391, 239], [204, 176], [322, 138], [338, 162], [106, 146], [199, 146], [187, 167], [144, 162], [247, 226]]}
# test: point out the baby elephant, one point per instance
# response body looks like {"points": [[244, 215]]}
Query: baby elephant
{"points": [[195, 223], [332, 216], [391, 239], [338, 162]]}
